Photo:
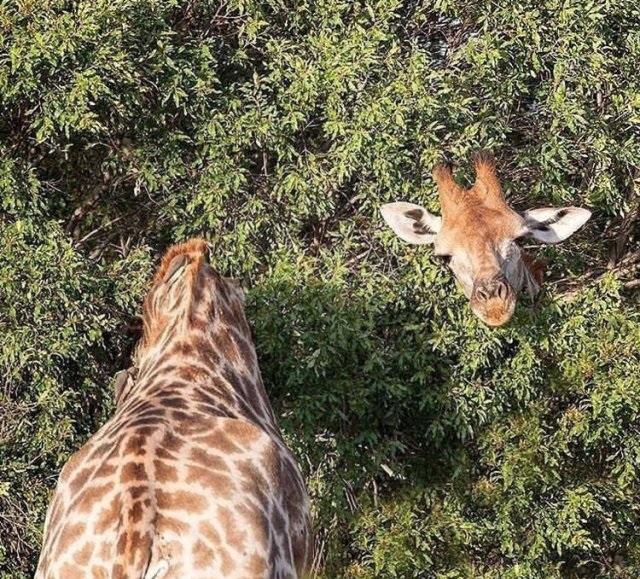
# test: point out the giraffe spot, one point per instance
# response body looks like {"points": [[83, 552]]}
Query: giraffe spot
{"points": [[226, 562], [227, 347], [72, 464], [209, 408], [171, 524], [133, 471], [70, 535], [108, 516], [175, 402], [136, 445], [188, 373], [79, 480], [302, 546], [180, 416], [251, 475], [105, 470], [255, 519], [147, 431], [220, 484], [83, 556], [219, 440], [207, 350], [69, 571], [217, 391], [245, 348], [203, 556], [198, 324], [181, 349], [181, 500], [136, 512], [171, 442], [228, 522], [99, 572], [121, 546], [153, 412], [144, 422], [164, 454], [164, 472], [257, 565], [274, 553], [206, 459], [209, 532], [271, 461], [242, 432], [92, 495], [138, 543], [138, 491], [106, 551]]}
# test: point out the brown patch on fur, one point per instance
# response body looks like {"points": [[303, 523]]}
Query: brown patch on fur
{"points": [[208, 460], [136, 445], [91, 495], [243, 432], [136, 512], [70, 534], [171, 524], [83, 556], [227, 562], [255, 518], [257, 565], [165, 472], [209, 532], [203, 556], [99, 572], [220, 484], [107, 516], [233, 535], [105, 470], [79, 480], [69, 571], [181, 500], [133, 471], [106, 551]]}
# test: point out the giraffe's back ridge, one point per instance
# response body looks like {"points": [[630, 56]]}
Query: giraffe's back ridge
{"points": [[191, 476]]}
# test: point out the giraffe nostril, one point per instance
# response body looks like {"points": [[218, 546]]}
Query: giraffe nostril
{"points": [[493, 289], [502, 290], [482, 294]]}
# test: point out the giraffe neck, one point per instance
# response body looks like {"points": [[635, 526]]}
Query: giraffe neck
{"points": [[206, 357]]}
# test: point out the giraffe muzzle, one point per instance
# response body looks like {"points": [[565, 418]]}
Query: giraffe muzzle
{"points": [[493, 301]]}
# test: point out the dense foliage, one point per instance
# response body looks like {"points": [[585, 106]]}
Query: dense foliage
{"points": [[433, 446]]}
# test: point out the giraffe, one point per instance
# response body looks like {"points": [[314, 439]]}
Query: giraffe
{"points": [[190, 478], [478, 233]]}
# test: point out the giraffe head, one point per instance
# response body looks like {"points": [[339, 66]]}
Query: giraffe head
{"points": [[186, 292], [478, 234]]}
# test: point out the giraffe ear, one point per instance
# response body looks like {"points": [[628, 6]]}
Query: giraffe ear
{"points": [[412, 223], [123, 382], [176, 264], [555, 224]]}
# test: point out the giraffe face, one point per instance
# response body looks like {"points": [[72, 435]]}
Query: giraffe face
{"points": [[478, 235]]}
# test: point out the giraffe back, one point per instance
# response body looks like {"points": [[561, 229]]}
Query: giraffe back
{"points": [[190, 478]]}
